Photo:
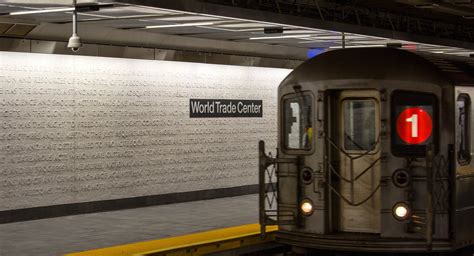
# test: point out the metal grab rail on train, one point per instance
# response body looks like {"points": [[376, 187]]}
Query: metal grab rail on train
{"points": [[441, 192], [332, 169], [435, 166], [429, 187], [271, 216], [440, 174]]}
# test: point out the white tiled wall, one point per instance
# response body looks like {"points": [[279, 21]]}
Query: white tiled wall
{"points": [[76, 129]]}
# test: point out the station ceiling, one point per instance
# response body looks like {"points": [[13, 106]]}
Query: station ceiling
{"points": [[434, 26]]}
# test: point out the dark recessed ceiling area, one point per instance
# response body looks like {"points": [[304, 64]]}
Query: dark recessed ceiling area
{"points": [[434, 26], [452, 19]]}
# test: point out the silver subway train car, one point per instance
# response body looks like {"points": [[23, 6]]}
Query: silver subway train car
{"points": [[374, 153]]}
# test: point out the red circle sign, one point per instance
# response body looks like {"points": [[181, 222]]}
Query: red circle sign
{"points": [[414, 125]]}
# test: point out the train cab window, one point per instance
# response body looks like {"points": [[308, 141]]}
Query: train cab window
{"points": [[359, 124], [298, 129], [463, 124], [414, 123]]}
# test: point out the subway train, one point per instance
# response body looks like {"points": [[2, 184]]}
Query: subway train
{"points": [[374, 154]]}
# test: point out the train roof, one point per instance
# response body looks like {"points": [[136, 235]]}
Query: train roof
{"points": [[385, 64]]}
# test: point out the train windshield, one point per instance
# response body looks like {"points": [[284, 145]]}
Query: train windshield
{"points": [[298, 129], [359, 124]]}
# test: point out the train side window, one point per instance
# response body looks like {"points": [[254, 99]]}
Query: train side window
{"points": [[463, 127], [359, 124], [414, 123], [298, 130]]}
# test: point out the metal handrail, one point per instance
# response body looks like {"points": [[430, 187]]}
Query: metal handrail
{"points": [[360, 174], [429, 187], [332, 170], [266, 216], [372, 147]]}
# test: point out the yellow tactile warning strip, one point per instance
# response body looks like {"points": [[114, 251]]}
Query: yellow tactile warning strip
{"points": [[192, 244]]}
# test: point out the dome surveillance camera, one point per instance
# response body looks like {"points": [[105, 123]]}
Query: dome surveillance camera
{"points": [[74, 43]]}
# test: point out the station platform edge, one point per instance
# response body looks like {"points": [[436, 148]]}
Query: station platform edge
{"points": [[211, 241]]}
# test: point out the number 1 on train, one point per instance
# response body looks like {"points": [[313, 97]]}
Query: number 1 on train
{"points": [[414, 125]]}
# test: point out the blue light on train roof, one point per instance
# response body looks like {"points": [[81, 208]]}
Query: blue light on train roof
{"points": [[314, 52]]}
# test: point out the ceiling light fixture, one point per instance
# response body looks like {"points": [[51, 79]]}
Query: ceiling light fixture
{"points": [[426, 6], [278, 37], [193, 24], [78, 8], [70, 9], [357, 46], [312, 41], [460, 53], [338, 37]]}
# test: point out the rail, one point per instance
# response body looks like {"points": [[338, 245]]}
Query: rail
{"points": [[332, 170], [269, 214], [438, 193]]}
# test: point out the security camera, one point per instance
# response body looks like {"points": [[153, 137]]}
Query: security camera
{"points": [[74, 43]]}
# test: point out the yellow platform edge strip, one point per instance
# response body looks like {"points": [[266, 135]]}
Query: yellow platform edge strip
{"points": [[209, 242], [177, 242]]}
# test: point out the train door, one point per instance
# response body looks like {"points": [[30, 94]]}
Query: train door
{"points": [[358, 196]]}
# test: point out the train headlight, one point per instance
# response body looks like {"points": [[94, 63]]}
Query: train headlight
{"points": [[401, 211], [306, 207]]}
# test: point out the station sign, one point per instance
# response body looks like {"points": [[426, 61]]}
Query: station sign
{"points": [[414, 125], [210, 108]]}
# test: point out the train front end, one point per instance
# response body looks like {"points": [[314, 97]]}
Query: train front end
{"points": [[364, 155]]}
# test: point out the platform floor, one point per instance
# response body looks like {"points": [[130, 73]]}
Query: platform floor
{"points": [[57, 236]]}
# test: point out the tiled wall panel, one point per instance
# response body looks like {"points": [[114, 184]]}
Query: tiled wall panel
{"points": [[77, 129]]}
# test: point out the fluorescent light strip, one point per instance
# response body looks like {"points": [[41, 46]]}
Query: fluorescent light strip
{"points": [[187, 18], [233, 18], [235, 30], [339, 37], [43, 11], [460, 52], [358, 46], [181, 25], [278, 37], [312, 40], [95, 15]]}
